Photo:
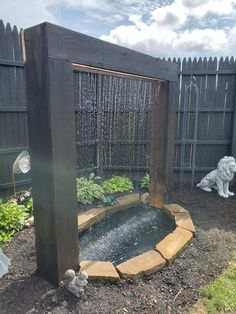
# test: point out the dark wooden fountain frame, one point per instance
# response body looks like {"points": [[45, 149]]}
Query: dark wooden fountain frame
{"points": [[52, 53]]}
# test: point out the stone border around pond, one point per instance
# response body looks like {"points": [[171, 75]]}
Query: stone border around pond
{"points": [[146, 263]]}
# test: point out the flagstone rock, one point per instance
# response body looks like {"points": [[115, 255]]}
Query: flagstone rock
{"points": [[174, 243], [100, 270], [141, 265]]}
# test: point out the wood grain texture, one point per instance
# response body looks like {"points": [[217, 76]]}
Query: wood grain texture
{"points": [[159, 145], [78, 48], [52, 149]]}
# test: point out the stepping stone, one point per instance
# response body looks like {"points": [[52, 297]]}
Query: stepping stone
{"points": [[142, 265], [125, 202], [100, 270], [182, 217], [90, 217], [184, 221], [174, 243], [174, 208]]}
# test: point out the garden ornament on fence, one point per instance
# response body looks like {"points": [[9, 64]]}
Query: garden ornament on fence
{"points": [[20, 165], [75, 284], [220, 177]]}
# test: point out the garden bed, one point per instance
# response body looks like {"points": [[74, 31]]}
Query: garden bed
{"points": [[171, 290]]}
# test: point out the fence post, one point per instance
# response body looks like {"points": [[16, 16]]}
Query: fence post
{"points": [[49, 83]]}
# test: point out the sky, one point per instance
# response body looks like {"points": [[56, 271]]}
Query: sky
{"points": [[161, 28]]}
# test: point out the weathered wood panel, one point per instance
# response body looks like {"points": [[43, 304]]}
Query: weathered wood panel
{"points": [[214, 111], [83, 49], [50, 101]]}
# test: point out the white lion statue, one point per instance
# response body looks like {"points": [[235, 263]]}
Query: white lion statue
{"points": [[220, 177]]}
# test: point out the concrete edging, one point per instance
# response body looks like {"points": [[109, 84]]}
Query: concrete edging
{"points": [[146, 263]]}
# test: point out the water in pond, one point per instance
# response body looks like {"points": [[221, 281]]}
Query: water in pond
{"points": [[125, 234]]}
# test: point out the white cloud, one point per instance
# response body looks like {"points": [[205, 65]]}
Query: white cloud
{"points": [[166, 32], [199, 8], [208, 40], [25, 13], [159, 28], [170, 43], [101, 5], [171, 16]]}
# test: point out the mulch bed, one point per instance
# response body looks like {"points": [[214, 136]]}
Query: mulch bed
{"points": [[173, 290]]}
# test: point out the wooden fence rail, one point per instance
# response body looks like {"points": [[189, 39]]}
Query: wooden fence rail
{"points": [[113, 136]]}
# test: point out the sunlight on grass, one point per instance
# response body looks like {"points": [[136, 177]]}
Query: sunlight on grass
{"points": [[221, 294]]}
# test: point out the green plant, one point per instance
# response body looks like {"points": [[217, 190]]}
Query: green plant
{"points": [[145, 181], [221, 294], [12, 218], [29, 204], [24, 198], [88, 190], [117, 184]]}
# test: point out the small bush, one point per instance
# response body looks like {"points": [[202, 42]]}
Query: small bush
{"points": [[24, 198], [145, 181], [117, 184], [12, 218], [88, 190]]}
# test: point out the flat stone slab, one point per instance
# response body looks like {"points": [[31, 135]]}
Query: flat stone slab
{"points": [[174, 208], [144, 198], [145, 264], [90, 217], [184, 221], [124, 202], [100, 270], [182, 216], [174, 243]]}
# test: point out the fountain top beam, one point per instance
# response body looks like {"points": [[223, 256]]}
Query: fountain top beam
{"points": [[75, 47]]}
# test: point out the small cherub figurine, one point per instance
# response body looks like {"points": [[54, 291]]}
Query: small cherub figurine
{"points": [[75, 284]]}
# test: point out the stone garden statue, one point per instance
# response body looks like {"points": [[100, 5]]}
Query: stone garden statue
{"points": [[220, 177], [75, 284]]}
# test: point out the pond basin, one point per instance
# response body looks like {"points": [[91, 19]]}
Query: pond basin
{"points": [[123, 235]]}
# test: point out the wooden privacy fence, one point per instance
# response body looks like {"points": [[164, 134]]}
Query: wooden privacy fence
{"points": [[112, 116], [13, 121], [205, 127]]}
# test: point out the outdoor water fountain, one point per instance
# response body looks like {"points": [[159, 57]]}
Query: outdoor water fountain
{"points": [[54, 54], [125, 234], [131, 239]]}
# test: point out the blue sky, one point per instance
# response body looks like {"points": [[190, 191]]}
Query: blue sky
{"points": [[161, 28]]}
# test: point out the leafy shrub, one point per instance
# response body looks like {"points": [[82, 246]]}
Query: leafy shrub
{"points": [[24, 198], [88, 190], [117, 184], [145, 181], [12, 218]]}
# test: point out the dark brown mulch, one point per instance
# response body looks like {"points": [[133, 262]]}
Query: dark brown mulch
{"points": [[172, 290]]}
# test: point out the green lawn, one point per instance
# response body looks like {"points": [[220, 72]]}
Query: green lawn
{"points": [[220, 295]]}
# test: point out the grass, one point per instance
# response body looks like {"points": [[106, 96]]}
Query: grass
{"points": [[220, 295]]}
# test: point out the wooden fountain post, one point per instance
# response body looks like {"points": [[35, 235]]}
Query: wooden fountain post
{"points": [[50, 99], [162, 143]]}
